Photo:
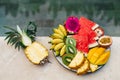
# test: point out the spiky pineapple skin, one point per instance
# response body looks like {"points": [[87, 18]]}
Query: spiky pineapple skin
{"points": [[36, 52]]}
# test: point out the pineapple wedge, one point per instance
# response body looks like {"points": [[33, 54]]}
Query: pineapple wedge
{"points": [[36, 52], [83, 68], [93, 67], [77, 60]]}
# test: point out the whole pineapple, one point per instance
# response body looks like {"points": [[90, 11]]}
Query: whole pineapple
{"points": [[25, 39]]}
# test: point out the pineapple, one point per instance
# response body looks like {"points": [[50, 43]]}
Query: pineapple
{"points": [[34, 51]]}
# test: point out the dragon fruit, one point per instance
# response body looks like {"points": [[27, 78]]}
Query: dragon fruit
{"points": [[72, 24]]}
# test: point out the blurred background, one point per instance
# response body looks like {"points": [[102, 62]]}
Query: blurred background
{"points": [[47, 14]]}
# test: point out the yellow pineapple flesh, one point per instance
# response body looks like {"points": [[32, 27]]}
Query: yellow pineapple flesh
{"points": [[36, 52]]}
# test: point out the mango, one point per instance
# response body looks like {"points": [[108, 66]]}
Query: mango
{"points": [[97, 54], [90, 53], [103, 58]]}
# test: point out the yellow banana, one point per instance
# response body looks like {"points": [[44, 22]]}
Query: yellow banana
{"points": [[62, 51], [57, 53], [62, 28], [52, 47], [56, 41], [57, 36], [58, 31], [91, 52], [51, 36], [58, 46]]}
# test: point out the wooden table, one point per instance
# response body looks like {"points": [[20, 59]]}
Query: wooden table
{"points": [[15, 66]]}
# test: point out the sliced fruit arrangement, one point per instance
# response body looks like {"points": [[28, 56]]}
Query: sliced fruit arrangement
{"points": [[34, 51], [81, 44]]}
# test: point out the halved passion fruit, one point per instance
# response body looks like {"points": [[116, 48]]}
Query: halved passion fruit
{"points": [[105, 41]]}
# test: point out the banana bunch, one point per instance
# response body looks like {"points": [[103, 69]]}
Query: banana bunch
{"points": [[58, 40]]}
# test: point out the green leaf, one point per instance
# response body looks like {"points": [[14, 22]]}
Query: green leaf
{"points": [[7, 27], [31, 30], [8, 32], [16, 45], [15, 38]]}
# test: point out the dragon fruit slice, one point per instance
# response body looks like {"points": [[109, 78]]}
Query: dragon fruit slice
{"points": [[72, 24]]}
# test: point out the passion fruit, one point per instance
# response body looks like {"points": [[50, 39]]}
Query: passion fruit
{"points": [[105, 41]]}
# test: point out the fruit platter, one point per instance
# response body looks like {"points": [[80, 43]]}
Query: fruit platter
{"points": [[80, 45]]}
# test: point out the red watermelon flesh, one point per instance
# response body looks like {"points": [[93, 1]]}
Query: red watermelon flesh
{"points": [[86, 37], [82, 42], [87, 23], [92, 36]]}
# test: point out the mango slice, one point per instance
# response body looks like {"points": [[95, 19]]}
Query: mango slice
{"points": [[97, 54], [90, 53], [103, 58]]}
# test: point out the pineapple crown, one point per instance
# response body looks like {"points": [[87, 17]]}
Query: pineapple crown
{"points": [[21, 38]]}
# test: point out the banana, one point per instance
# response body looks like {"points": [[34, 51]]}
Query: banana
{"points": [[56, 41], [51, 36], [57, 53], [57, 36], [62, 28], [58, 46], [63, 50], [52, 47], [58, 31]]}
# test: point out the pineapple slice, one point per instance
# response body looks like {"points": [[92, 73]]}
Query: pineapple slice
{"points": [[83, 68], [77, 60], [36, 52], [93, 67]]}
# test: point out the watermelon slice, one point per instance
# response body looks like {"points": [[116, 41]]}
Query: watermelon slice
{"points": [[81, 43], [92, 37], [86, 36], [88, 23]]}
